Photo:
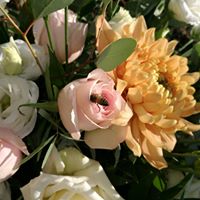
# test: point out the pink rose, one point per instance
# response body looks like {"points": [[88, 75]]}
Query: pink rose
{"points": [[91, 104], [56, 22], [11, 148]]}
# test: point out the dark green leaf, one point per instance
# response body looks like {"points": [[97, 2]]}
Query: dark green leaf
{"points": [[116, 53], [195, 57], [57, 73], [45, 7], [106, 2], [38, 149], [117, 155], [49, 106]]}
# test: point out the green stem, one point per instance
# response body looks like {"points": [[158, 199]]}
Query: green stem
{"points": [[66, 36], [24, 37], [186, 45], [47, 72], [48, 32]]}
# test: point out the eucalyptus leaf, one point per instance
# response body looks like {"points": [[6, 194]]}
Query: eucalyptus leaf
{"points": [[116, 53], [45, 7]]}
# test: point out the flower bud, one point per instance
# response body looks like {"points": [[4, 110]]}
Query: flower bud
{"points": [[10, 59]]}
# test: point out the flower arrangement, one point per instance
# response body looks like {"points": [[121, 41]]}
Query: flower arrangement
{"points": [[99, 99]]}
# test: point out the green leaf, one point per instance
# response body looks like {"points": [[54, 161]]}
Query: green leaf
{"points": [[117, 155], [45, 7], [56, 71], [105, 2], [49, 106], [159, 183], [195, 57], [48, 152], [37, 150], [116, 53]]}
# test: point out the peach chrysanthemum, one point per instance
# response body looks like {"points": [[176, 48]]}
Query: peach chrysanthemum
{"points": [[158, 87]]}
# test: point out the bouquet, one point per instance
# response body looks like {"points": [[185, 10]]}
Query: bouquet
{"points": [[99, 99]]}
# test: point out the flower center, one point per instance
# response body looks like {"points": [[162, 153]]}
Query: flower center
{"points": [[99, 99]]}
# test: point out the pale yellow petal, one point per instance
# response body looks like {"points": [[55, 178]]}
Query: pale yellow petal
{"points": [[134, 95], [143, 115], [154, 155], [166, 123], [131, 141], [108, 138]]}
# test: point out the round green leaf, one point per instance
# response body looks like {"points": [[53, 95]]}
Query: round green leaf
{"points": [[45, 7], [116, 53]]}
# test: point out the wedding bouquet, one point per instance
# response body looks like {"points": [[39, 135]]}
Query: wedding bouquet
{"points": [[99, 99]]}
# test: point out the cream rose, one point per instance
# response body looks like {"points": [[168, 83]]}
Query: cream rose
{"points": [[80, 178], [5, 193], [11, 149], [76, 34], [15, 91], [16, 59], [120, 20], [91, 104], [187, 11]]}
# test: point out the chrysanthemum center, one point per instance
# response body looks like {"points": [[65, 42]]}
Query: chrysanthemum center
{"points": [[162, 81]]}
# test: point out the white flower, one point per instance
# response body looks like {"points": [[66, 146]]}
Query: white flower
{"points": [[10, 59], [5, 191], [120, 19], [192, 188], [16, 59], [15, 91], [85, 179], [173, 177], [3, 5], [187, 11]]}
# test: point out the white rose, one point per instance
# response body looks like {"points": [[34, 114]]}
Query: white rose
{"points": [[120, 19], [86, 181], [187, 11], [15, 91], [3, 5], [5, 191], [16, 59]]}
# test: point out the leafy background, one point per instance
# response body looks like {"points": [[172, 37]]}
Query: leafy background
{"points": [[132, 177]]}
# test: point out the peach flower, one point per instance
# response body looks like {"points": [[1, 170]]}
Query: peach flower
{"points": [[56, 22], [80, 109], [158, 87], [11, 149]]}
